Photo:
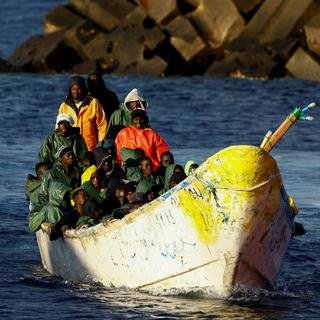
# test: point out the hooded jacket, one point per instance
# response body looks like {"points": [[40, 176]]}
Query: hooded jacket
{"points": [[49, 149], [90, 117], [147, 139], [32, 189], [122, 118], [98, 89]]}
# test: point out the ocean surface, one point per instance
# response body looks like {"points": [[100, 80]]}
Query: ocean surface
{"points": [[197, 116]]}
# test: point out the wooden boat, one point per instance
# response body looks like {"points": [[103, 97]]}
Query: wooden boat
{"points": [[226, 225]]}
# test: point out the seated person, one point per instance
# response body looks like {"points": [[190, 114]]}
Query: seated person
{"points": [[149, 179], [123, 198], [64, 135], [57, 185], [137, 200], [190, 167], [176, 178], [139, 136], [94, 187], [88, 160], [81, 215], [130, 160], [171, 169], [32, 186], [165, 160]]}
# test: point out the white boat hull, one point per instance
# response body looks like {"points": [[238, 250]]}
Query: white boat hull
{"points": [[203, 234]]}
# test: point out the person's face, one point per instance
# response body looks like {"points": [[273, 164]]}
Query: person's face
{"points": [[178, 170], [146, 167], [192, 168], [130, 196], [64, 128], [134, 105], [86, 164], [80, 198], [173, 184], [96, 180], [41, 171], [68, 159], [138, 122], [166, 160], [121, 196], [151, 196], [107, 165], [76, 92]]}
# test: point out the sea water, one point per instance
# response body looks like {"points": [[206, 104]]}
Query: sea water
{"points": [[197, 116]]}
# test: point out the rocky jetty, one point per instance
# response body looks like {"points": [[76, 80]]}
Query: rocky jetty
{"points": [[256, 39]]}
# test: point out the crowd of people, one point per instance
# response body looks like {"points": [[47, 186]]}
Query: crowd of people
{"points": [[101, 162]]}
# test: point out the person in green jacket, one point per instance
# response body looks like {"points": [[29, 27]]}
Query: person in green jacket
{"points": [[149, 179], [122, 118], [57, 185], [171, 169], [63, 135], [32, 186]]}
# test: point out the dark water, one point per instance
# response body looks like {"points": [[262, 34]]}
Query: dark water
{"points": [[197, 116]]}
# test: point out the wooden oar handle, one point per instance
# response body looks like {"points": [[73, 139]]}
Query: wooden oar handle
{"points": [[280, 132]]}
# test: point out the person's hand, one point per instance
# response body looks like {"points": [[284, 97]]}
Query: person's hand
{"points": [[107, 222], [50, 227]]}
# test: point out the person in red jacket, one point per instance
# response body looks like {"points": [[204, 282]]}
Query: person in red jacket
{"points": [[138, 136]]}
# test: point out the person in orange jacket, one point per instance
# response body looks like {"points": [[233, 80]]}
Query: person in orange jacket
{"points": [[86, 112], [138, 136]]}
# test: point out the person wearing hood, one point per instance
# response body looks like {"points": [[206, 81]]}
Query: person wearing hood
{"points": [[122, 118], [98, 89], [86, 112], [32, 186], [190, 166], [58, 183], [139, 136], [64, 135], [113, 174]]}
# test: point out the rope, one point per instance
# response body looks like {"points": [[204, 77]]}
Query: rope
{"points": [[212, 186]]}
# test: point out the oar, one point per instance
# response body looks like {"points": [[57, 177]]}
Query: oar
{"points": [[299, 113]]}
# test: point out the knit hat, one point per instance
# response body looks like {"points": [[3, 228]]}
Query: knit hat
{"points": [[63, 150], [64, 117], [139, 113]]}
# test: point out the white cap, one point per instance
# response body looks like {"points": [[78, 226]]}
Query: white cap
{"points": [[64, 117]]}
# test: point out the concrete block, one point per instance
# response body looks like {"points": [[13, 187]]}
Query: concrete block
{"points": [[79, 35], [246, 6], [312, 32], [261, 18], [151, 67], [134, 26], [275, 19], [6, 66], [184, 38], [85, 67], [23, 56], [302, 65], [105, 14], [60, 17], [282, 49], [284, 20], [45, 54], [159, 11], [218, 21], [246, 64], [125, 45]]}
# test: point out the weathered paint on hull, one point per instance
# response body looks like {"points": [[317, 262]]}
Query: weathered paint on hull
{"points": [[230, 223]]}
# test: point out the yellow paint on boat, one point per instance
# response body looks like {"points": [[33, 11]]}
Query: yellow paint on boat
{"points": [[237, 183]]}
